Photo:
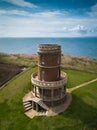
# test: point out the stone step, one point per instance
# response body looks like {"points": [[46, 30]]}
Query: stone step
{"points": [[27, 105], [42, 113], [26, 102], [27, 109]]}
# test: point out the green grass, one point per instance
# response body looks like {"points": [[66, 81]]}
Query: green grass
{"points": [[11, 109], [18, 59], [78, 77], [84, 107], [81, 115], [67, 61], [79, 63]]}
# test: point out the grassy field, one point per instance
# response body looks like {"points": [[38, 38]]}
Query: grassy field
{"points": [[81, 115], [18, 59], [76, 77], [12, 64], [79, 63], [67, 61]]}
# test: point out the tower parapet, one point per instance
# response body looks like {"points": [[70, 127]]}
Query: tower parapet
{"points": [[49, 48]]}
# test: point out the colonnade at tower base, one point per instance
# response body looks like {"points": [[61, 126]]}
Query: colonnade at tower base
{"points": [[40, 109]]}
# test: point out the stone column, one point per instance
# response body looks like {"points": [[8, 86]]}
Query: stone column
{"points": [[42, 92], [32, 104], [62, 92], [52, 93], [37, 107], [35, 90]]}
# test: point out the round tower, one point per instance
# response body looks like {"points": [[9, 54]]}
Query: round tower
{"points": [[49, 62], [49, 85]]}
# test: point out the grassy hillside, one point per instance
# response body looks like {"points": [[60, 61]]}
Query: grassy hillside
{"points": [[18, 59], [81, 114], [11, 65], [67, 61], [76, 77], [79, 63], [11, 108]]}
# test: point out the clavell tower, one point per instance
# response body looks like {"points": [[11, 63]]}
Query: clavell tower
{"points": [[49, 84]]}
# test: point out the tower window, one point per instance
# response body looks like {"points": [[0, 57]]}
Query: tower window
{"points": [[42, 60], [43, 74], [58, 60], [58, 74]]}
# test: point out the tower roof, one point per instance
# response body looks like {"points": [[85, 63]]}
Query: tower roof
{"points": [[49, 48]]}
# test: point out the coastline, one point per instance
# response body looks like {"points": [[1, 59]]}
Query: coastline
{"points": [[77, 46]]}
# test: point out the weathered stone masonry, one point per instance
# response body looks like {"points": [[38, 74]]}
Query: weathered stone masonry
{"points": [[49, 85]]}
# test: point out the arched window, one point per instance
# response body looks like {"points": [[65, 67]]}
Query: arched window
{"points": [[58, 60], [58, 73], [42, 60], [43, 75]]}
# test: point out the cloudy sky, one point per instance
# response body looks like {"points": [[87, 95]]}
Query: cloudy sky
{"points": [[48, 18]]}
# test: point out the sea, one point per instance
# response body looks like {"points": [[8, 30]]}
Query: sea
{"points": [[81, 46]]}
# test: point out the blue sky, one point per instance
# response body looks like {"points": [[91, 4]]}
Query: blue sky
{"points": [[48, 18]]}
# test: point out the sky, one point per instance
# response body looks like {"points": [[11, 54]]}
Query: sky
{"points": [[48, 18]]}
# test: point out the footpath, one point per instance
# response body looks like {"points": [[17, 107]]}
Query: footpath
{"points": [[81, 85]]}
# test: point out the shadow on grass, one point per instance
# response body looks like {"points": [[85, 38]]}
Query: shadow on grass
{"points": [[80, 110], [4, 108], [79, 116]]}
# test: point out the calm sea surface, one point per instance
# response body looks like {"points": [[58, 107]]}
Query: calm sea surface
{"points": [[73, 46]]}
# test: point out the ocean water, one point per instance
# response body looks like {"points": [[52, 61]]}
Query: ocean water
{"points": [[73, 46]]}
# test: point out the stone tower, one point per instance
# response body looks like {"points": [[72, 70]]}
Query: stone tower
{"points": [[49, 85]]}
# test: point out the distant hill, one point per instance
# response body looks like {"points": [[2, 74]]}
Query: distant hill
{"points": [[79, 63], [12, 64], [67, 61]]}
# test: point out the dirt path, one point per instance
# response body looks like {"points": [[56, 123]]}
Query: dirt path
{"points": [[81, 85]]}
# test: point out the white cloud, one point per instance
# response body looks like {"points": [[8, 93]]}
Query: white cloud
{"points": [[94, 8], [21, 3], [49, 13], [53, 13], [65, 28], [14, 12], [44, 24], [77, 28], [46, 14], [93, 11]]}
